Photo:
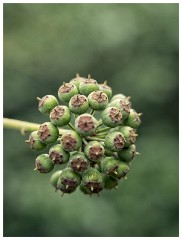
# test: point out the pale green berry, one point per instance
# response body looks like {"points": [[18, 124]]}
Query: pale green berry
{"points": [[78, 104], [85, 124], [92, 180], [58, 155], [44, 164], [118, 96], [94, 151], [106, 89], [98, 100], [87, 86], [111, 117], [71, 141], [127, 154], [54, 178], [48, 133], [129, 135], [123, 105], [133, 119], [35, 142], [60, 115], [78, 162], [77, 80], [47, 103], [67, 91], [68, 180], [114, 141]]}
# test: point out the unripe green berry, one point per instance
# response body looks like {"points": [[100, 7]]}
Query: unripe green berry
{"points": [[35, 142], [85, 124], [44, 164], [58, 155], [106, 89], [109, 166], [110, 182], [111, 117], [54, 178], [114, 141], [94, 151], [71, 141], [122, 170], [92, 179], [98, 100], [123, 105], [129, 135], [68, 180], [67, 91], [118, 96], [47, 103], [48, 133], [78, 162], [78, 104], [60, 115], [87, 86], [76, 81], [133, 119], [127, 154]]}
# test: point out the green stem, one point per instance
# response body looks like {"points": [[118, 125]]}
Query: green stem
{"points": [[71, 126], [103, 130], [23, 126], [95, 139], [92, 112]]}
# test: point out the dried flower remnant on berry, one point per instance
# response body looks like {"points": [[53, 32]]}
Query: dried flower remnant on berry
{"points": [[85, 124]]}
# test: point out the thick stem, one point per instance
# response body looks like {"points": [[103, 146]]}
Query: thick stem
{"points": [[23, 126], [95, 139]]}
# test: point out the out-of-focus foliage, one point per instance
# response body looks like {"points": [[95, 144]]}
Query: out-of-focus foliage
{"points": [[135, 48]]}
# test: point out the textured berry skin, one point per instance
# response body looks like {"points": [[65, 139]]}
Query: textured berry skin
{"points": [[47, 103], [106, 89], [84, 190], [78, 162], [71, 141], [35, 142], [44, 164], [68, 180], [109, 166], [127, 154], [92, 180], [87, 86], [60, 115], [110, 182], [94, 151], [58, 155], [85, 124], [48, 133], [111, 117], [78, 104], [133, 119], [67, 91], [117, 96], [123, 105], [54, 178], [77, 80], [114, 141], [129, 135], [122, 170], [98, 100]]}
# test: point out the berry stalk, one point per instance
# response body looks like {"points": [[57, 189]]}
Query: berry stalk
{"points": [[23, 126]]}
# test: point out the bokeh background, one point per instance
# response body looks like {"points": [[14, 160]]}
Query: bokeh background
{"points": [[135, 48]]}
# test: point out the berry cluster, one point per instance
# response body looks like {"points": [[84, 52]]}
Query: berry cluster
{"points": [[97, 151]]}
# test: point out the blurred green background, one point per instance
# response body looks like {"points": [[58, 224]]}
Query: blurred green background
{"points": [[135, 48]]}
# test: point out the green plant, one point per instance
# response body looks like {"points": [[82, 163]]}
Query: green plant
{"points": [[97, 150]]}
